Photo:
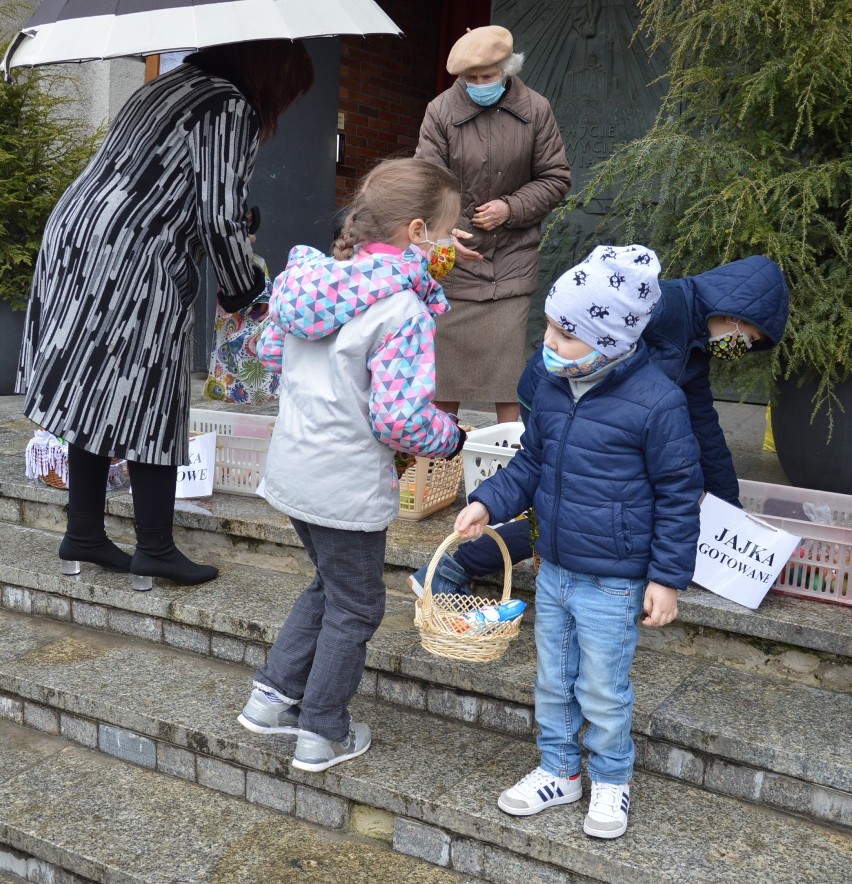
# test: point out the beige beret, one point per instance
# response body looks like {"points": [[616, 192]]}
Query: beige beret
{"points": [[479, 48]]}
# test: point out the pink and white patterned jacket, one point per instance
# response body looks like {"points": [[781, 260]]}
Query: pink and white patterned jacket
{"points": [[316, 295], [354, 341]]}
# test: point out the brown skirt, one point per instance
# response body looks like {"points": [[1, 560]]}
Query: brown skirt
{"points": [[480, 350]]}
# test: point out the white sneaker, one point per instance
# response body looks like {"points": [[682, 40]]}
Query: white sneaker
{"points": [[538, 790], [607, 816]]}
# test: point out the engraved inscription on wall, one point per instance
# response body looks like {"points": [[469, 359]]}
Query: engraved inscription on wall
{"points": [[582, 55]]}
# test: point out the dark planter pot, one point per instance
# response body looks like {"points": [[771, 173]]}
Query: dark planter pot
{"points": [[11, 332], [805, 454]]}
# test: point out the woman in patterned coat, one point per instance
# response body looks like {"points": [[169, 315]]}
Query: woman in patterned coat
{"points": [[105, 356]]}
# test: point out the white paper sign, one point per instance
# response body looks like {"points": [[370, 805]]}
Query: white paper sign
{"points": [[195, 479], [739, 556]]}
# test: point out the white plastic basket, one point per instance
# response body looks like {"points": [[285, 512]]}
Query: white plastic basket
{"points": [[488, 450], [821, 567], [242, 443]]}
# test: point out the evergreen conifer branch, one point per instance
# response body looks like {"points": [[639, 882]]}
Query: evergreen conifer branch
{"points": [[750, 153]]}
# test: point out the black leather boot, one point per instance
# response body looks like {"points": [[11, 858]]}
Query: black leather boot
{"points": [[157, 556], [85, 541]]}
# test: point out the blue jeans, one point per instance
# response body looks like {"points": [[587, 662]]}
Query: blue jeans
{"points": [[586, 630]]}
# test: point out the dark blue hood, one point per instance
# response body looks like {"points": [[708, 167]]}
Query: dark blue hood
{"points": [[753, 289]]}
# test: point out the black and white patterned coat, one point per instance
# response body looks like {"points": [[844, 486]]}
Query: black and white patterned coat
{"points": [[105, 356]]}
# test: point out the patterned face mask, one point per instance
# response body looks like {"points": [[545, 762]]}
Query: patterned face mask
{"points": [[729, 346], [573, 368], [442, 256]]}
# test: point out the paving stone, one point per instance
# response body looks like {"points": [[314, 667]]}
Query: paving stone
{"points": [[220, 776], [16, 599], [128, 623], [41, 718], [127, 746], [226, 648], [176, 762], [321, 808], [95, 616], [55, 607], [11, 709], [270, 792], [186, 637], [424, 842], [78, 730], [676, 762]]}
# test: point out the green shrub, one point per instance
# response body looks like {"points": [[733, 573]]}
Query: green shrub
{"points": [[750, 154], [44, 145]]}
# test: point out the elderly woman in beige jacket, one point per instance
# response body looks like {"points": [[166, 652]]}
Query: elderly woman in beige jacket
{"points": [[501, 140]]}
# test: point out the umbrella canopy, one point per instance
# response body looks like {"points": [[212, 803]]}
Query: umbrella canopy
{"points": [[84, 30]]}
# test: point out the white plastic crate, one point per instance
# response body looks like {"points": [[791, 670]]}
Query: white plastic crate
{"points": [[242, 443], [488, 450], [822, 565]]}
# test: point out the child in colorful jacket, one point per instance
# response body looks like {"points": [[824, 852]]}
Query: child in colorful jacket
{"points": [[353, 336]]}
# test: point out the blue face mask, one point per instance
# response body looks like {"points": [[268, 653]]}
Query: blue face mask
{"points": [[487, 94], [573, 368]]}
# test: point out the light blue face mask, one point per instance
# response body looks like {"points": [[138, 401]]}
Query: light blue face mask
{"points": [[573, 368], [486, 94]]}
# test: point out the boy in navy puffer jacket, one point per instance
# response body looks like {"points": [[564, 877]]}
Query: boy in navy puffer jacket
{"points": [[611, 465]]}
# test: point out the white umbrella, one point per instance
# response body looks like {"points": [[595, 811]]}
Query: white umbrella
{"points": [[84, 30]]}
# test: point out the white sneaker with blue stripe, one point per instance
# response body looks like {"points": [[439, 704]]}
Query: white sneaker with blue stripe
{"points": [[538, 790], [607, 816]]}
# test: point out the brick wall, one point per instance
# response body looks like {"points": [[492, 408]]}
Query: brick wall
{"points": [[385, 84]]}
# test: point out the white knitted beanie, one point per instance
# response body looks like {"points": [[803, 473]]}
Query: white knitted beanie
{"points": [[607, 300]]}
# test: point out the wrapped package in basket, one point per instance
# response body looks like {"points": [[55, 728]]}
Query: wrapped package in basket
{"points": [[468, 628], [46, 458]]}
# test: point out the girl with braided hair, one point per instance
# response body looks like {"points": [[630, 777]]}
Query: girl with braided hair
{"points": [[353, 337]]}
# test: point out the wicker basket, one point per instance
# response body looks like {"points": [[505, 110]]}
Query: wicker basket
{"points": [[428, 486], [46, 459], [116, 478], [434, 615]]}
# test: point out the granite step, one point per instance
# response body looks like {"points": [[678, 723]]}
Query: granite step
{"points": [[751, 737], [435, 779], [70, 814], [792, 638]]}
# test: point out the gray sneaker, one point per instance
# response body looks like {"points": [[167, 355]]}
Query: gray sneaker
{"points": [[265, 716], [315, 753]]}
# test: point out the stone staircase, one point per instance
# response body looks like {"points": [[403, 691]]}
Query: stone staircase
{"points": [[121, 758]]}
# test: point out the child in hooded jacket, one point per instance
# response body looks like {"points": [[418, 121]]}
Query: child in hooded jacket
{"points": [[723, 313], [610, 463], [353, 337]]}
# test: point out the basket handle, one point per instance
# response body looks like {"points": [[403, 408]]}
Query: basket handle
{"points": [[452, 540]]}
